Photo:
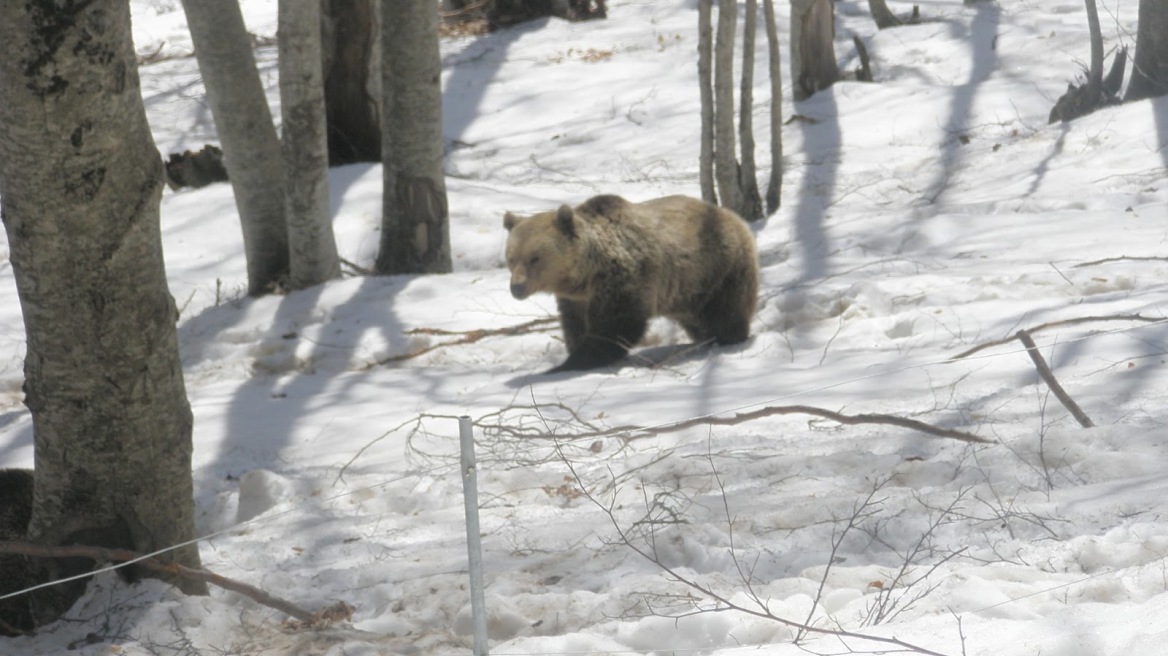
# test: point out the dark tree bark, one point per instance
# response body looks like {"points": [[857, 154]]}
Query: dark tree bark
{"points": [[1098, 91], [883, 15], [313, 248], [250, 145], [81, 181], [1150, 64], [351, 84], [415, 230]]}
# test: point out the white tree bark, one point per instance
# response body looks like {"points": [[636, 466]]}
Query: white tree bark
{"points": [[415, 233], [251, 149], [81, 182], [725, 149], [750, 205], [774, 187], [706, 88], [813, 65], [312, 245]]}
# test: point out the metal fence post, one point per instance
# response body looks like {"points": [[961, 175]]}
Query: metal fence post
{"points": [[474, 546]]}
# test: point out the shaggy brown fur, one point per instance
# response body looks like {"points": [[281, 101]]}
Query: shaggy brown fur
{"points": [[613, 265]]}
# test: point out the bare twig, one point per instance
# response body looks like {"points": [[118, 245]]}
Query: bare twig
{"points": [[1048, 376], [1058, 324], [102, 554], [725, 602], [356, 269], [466, 337], [861, 512]]}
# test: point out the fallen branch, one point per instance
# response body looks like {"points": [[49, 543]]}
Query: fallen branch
{"points": [[1057, 324], [1048, 376], [466, 337], [357, 269], [851, 420], [102, 554], [1130, 258]]}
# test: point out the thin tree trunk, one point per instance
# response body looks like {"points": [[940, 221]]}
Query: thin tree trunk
{"points": [[352, 80], [751, 203], [312, 246], [706, 87], [81, 181], [415, 232], [1095, 75], [774, 187], [882, 14], [1150, 65], [251, 148], [813, 65], [726, 164]]}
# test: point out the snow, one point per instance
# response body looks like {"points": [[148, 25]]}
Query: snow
{"points": [[923, 215]]}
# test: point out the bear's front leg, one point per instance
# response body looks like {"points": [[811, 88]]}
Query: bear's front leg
{"points": [[601, 333]]}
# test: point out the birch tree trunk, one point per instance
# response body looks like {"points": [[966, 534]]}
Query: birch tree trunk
{"points": [[81, 182], [415, 231], [313, 247], [750, 207], [706, 87], [813, 65], [774, 187], [251, 149], [1150, 64], [726, 164]]}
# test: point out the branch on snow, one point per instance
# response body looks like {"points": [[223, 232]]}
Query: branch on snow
{"points": [[464, 337], [338, 612], [839, 417], [1057, 324], [1052, 382]]}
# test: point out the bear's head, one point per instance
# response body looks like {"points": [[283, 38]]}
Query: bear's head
{"points": [[545, 253]]}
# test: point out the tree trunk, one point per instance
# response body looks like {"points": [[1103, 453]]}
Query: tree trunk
{"points": [[726, 163], [751, 203], [312, 246], [813, 64], [1150, 64], [1095, 74], [251, 148], [883, 15], [81, 181], [352, 84], [774, 187], [706, 88], [415, 231]]}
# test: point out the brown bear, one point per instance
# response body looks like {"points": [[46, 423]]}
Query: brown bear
{"points": [[613, 265]]}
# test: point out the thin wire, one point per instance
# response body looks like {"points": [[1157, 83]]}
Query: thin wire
{"points": [[234, 527]]}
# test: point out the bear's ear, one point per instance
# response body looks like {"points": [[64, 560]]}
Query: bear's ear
{"points": [[566, 221], [510, 221]]}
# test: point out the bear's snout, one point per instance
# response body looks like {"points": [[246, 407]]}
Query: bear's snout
{"points": [[519, 290]]}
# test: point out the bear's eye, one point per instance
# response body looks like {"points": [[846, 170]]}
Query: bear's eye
{"points": [[533, 260]]}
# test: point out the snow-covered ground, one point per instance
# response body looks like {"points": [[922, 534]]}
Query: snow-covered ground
{"points": [[924, 215]]}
